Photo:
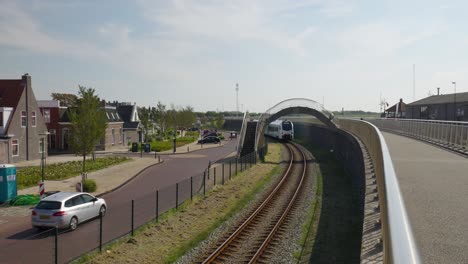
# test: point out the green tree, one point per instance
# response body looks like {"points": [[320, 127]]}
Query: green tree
{"points": [[219, 121], [145, 119], [160, 116], [88, 121], [64, 99]]}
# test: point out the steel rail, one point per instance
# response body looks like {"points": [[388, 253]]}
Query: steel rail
{"points": [[238, 231], [275, 229]]}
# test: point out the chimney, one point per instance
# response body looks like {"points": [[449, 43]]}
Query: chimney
{"points": [[401, 100], [438, 88]]}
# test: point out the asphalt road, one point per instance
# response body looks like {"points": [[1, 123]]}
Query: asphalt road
{"points": [[434, 183], [17, 245]]}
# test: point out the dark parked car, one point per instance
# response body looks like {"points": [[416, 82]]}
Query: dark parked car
{"points": [[209, 139]]}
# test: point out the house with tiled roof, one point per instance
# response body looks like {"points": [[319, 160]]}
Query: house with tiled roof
{"points": [[113, 137], [22, 127], [397, 110], [129, 114], [440, 107], [52, 112]]}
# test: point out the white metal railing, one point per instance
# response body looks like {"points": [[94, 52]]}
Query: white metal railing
{"points": [[240, 141], [398, 241], [448, 133]]}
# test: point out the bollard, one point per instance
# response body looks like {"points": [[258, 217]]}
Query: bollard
{"points": [[223, 174], [159, 159], [214, 176], [155, 154], [230, 171], [188, 149]]}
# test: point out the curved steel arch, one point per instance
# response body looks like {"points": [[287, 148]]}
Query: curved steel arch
{"points": [[291, 106]]}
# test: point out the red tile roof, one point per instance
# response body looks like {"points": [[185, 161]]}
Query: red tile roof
{"points": [[10, 92]]}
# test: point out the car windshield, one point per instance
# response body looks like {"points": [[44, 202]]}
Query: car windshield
{"points": [[48, 205]]}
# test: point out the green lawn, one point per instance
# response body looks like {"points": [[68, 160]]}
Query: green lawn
{"points": [[30, 176]]}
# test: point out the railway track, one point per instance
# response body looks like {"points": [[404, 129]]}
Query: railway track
{"points": [[251, 238]]}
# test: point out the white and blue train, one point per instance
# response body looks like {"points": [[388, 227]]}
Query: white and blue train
{"points": [[280, 129]]}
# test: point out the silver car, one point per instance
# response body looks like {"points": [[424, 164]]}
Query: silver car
{"points": [[67, 210]]}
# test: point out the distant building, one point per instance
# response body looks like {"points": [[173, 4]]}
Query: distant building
{"points": [[440, 107], [129, 115], [22, 127], [52, 113], [398, 110]]}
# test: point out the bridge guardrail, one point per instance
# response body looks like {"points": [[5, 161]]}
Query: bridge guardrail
{"points": [[398, 241], [452, 134]]}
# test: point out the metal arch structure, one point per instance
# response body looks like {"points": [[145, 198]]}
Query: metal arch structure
{"points": [[291, 106]]}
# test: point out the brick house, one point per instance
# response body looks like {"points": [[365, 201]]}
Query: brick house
{"points": [[52, 112], [22, 127], [129, 115], [113, 137]]}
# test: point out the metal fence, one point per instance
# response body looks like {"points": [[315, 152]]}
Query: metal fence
{"points": [[398, 240], [143, 209], [452, 134]]}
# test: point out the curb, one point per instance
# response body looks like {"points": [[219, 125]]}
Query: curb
{"points": [[163, 154], [128, 180]]}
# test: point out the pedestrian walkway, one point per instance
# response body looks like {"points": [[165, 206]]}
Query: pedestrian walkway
{"points": [[106, 179], [433, 182]]}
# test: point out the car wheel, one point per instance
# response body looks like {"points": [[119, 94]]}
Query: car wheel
{"points": [[102, 211], [73, 223]]}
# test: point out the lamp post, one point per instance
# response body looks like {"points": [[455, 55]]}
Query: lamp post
{"points": [[455, 101], [43, 141]]}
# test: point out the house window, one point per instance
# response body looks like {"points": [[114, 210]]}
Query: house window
{"points": [[15, 147], [120, 135], [46, 114], [24, 120], [1, 119], [33, 117], [113, 136]]}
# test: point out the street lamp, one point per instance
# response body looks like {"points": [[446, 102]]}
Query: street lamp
{"points": [[41, 185], [455, 101]]}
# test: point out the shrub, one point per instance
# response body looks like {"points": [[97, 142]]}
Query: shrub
{"points": [[89, 186]]}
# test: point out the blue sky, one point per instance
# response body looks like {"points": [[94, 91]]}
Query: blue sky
{"points": [[347, 54]]}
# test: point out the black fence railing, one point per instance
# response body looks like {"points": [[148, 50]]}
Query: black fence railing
{"points": [[124, 219]]}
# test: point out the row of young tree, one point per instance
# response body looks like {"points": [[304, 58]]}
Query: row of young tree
{"points": [[88, 119], [164, 119]]}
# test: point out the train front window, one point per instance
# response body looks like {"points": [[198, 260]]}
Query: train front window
{"points": [[287, 126]]}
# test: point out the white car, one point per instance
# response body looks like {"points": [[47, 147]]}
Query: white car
{"points": [[67, 210]]}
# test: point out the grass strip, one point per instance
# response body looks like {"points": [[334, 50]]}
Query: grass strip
{"points": [[30, 176]]}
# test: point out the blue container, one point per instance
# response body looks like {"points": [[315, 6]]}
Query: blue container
{"points": [[8, 185]]}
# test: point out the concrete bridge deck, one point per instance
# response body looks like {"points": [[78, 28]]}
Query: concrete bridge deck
{"points": [[434, 184]]}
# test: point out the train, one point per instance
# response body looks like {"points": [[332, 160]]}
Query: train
{"points": [[281, 129]]}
